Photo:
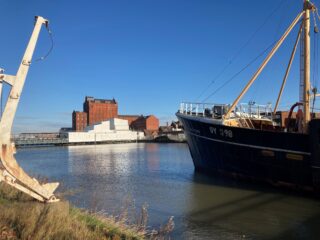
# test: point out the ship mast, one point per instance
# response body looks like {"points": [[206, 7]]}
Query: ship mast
{"points": [[306, 65], [267, 59]]}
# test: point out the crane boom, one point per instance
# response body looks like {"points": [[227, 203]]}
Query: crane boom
{"points": [[12, 173]]}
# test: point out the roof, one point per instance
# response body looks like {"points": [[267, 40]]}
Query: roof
{"points": [[151, 116], [92, 99], [79, 112]]}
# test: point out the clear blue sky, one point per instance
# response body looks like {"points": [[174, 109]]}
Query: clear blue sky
{"points": [[149, 55]]}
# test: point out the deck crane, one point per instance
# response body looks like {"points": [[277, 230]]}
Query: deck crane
{"points": [[10, 172]]}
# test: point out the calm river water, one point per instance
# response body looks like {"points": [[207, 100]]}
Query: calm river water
{"points": [[104, 177]]}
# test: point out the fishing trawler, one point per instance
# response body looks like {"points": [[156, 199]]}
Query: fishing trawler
{"points": [[248, 141]]}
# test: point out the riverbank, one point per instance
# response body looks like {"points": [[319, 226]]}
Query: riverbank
{"points": [[24, 218]]}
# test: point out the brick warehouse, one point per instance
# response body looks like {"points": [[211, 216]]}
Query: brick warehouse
{"points": [[98, 110], [141, 123], [79, 120]]}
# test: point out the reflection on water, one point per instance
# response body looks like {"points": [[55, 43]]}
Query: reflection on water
{"points": [[162, 176], [232, 210], [92, 160]]}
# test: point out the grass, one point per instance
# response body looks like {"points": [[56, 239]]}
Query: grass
{"points": [[23, 218]]}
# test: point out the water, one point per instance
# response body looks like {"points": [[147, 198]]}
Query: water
{"points": [[107, 177]]}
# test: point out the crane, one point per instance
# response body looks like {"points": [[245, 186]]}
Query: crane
{"points": [[11, 173]]}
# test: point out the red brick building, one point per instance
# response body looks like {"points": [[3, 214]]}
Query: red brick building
{"points": [[79, 120], [100, 109], [150, 123]]}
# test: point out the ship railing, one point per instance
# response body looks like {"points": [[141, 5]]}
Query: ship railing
{"points": [[203, 109], [213, 110], [252, 110]]}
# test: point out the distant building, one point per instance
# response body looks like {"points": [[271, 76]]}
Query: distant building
{"points": [[79, 120], [99, 110], [142, 123], [174, 127], [150, 123], [165, 129]]}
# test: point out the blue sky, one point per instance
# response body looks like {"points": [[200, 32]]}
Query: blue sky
{"points": [[149, 55]]}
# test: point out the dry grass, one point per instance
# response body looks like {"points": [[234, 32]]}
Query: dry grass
{"points": [[23, 218]]}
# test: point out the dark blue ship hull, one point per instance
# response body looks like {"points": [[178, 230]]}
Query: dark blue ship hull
{"points": [[277, 157]]}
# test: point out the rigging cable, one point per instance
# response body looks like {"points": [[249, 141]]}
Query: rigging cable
{"points": [[256, 90], [315, 53], [240, 50], [282, 17], [235, 75], [316, 59], [51, 48]]}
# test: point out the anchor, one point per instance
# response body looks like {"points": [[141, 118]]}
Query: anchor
{"points": [[11, 173]]}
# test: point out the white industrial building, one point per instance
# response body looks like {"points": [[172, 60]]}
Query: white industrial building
{"points": [[111, 130]]}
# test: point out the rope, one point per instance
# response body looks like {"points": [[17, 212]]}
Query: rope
{"points": [[283, 16], [51, 48], [315, 58], [240, 50], [314, 47], [235, 75]]}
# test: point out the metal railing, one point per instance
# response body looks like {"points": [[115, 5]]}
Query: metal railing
{"points": [[201, 109], [213, 110], [26, 139], [252, 110]]}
